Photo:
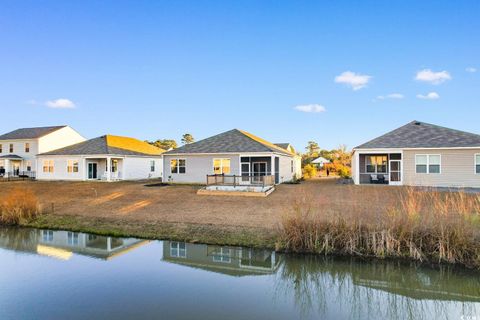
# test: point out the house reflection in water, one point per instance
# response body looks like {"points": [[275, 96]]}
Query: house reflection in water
{"points": [[64, 244], [232, 261]]}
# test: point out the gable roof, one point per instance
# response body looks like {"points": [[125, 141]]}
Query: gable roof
{"points": [[109, 144], [282, 145], [321, 160], [418, 134], [29, 133], [230, 141]]}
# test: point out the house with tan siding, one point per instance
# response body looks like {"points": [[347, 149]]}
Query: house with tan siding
{"points": [[419, 154]]}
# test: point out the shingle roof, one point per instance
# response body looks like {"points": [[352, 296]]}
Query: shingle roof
{"points": [[29, 133], [108, 144], [418, 134], [282, 145], [230, 141], [10, 156]]}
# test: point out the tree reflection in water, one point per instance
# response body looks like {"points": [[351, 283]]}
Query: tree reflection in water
{"points": [[377, 289]]}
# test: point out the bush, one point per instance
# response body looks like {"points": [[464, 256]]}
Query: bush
{"points": [[309, 171], [344, 172], [18, 206]]}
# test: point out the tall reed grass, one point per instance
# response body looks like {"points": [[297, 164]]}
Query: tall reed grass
{"points": [[424, 225], [18, 206]]}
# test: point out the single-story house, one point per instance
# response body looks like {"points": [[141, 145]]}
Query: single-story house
{"points": [[19, 148], [320, 162], [419, 154], [232, 153], [106, 158]]}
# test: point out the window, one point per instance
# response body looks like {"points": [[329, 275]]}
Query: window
{"points": [[152, 166], [11, 147], [178, 165], [291, 166], [376, 164], [477, 163], [1, 148], [224, 255], [178, 249], [27, 147], [72, 238], [221, 166], [72, 166], [47, 235], [427, 163], [28, 165], [48, 166]]}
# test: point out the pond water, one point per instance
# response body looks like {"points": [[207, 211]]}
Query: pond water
{"points": [[64, 275]]}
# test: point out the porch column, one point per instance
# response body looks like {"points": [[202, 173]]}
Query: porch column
{"points": [[7, 167], [109, 169], [357, 168], [272, 165]]}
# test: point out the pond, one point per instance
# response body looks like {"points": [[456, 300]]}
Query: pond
{"points": [[48, 274]]}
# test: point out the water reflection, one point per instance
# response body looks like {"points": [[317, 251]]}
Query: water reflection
{"points": [[271, 285], [232, 261], [63, 244]]}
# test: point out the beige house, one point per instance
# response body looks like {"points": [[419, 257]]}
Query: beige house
{"points": [[419, 154]]}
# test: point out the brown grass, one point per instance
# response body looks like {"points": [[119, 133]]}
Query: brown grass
{"points": [[19, 205], [417, 224]]}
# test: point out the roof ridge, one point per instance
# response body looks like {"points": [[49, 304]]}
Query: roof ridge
{"points": [[447, 128], [264, 142]]}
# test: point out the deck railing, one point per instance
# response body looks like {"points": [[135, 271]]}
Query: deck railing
{"points": [[17, 175], [243, 180]]}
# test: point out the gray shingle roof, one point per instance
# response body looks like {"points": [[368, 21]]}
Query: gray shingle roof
{"points": [[230, 141], [10, 156], [418, 134], [92, 147], [29, 133], [282, 145]]}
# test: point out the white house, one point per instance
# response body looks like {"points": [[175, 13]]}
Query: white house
{"points": [[18, 149], [107, 158], [233, 158], [320, 162]]}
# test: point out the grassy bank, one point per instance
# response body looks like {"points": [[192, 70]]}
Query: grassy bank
{"points": [[201, 233], [429, 226]]}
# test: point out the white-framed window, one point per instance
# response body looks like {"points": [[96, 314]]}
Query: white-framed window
{"points": [[11, 148], [72, 166], [223, 255], [477, 163], [428, 163], [221, 166], [376, 164], [48, 166], [178, 166], [47, 235], [72, 238], [28, 165], [178, 249], [152, 166], [27, 147]]}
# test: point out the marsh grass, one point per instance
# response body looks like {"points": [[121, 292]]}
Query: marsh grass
{"points": [[423, 225], [18, 206]]}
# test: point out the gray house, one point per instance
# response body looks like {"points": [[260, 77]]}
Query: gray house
{"points": [[233, 157], [419, 154]]}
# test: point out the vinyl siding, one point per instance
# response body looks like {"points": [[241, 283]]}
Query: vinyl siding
{"points": [[457, 169]]}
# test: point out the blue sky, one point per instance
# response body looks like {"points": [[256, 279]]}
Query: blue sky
{"points": [[158, 69]]}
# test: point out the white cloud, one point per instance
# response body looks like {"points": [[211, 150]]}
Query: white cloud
{"points": [[60, 104], [432, 77], [429, 96], [471, 69], [391, 96], [312, 108], [355, 80]]}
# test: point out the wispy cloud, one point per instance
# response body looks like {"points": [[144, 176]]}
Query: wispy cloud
{"points": [[471, 69], [429, 96], [311, 108], [355, 80], [427, 75], [61, 103], [391, 96]]}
